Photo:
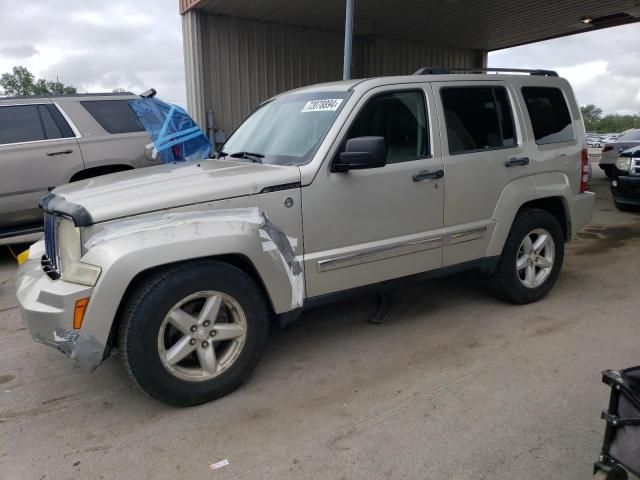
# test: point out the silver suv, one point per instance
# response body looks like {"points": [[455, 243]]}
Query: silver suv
{"points": [[323, 192], [53, 140]]}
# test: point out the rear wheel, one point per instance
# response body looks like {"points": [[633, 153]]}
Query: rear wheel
{"points": [[194, 332], [531, 258]]}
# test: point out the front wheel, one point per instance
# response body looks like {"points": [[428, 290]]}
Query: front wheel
{"points": [[531, 259], [193, 332]]}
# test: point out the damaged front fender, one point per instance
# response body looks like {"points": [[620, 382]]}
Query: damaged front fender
{"points": [[129, 247]]}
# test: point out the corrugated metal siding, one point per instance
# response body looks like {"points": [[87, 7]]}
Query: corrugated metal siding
{"points": [[249, 61], [246, 61], [481, 24], [188, 4], [192, 33]]}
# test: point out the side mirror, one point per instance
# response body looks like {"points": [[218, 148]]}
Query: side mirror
{"points": [[361, 153]]}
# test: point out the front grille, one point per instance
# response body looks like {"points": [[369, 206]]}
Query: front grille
{"points": [[50, 258], [635, 166]]}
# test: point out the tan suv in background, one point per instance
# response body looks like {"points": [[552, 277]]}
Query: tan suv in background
{"points": [[53, 140]]}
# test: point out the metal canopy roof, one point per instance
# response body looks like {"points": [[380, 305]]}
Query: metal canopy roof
{"points": [[478, 24]]}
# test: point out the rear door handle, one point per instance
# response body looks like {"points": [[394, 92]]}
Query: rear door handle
{"points": [[63, 152], [517, 162], [427, 175]]}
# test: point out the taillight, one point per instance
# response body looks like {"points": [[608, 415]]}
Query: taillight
{"points": [[607, 148], [584, 171]]}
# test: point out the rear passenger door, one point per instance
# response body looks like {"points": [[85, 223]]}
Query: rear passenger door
{"points": [[115, 136], [38, 150], [482, 152]]}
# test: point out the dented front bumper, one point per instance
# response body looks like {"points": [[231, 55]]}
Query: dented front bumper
{"points": [[47, 306]]}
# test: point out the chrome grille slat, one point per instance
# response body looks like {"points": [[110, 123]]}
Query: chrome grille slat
{"points": [[50, 260]]}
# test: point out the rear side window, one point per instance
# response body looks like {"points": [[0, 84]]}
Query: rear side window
{"points": [[32, 123], [399, 117], [478, 118], [549, 115], [115, 116]]}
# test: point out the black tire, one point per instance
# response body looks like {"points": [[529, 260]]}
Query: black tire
{"points": [[505, 280], [608, 170], [624, 207], [149, 303]]}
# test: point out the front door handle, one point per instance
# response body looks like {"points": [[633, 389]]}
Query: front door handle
{"points": [[517, 162], [427, 175], [63, 152]]}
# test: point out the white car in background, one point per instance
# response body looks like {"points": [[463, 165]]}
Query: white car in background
{"points": [[611, 150]]}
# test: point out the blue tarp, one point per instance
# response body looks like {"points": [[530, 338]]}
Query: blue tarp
{"points": [[175, 136]]}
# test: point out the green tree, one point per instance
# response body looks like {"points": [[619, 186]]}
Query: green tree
{"points": [[21, 82], [591, 115]]}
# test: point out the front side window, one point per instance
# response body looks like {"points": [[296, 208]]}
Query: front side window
{"points": [[115, 116], [549, 115], [478, 118], [399, 117], [288, 129], [31, 123]]}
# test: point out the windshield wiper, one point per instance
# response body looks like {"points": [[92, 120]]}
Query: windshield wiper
{"points": [[254, 157]]}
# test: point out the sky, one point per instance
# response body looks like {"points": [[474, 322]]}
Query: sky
{"points": [[603, 66], [99, 45]]}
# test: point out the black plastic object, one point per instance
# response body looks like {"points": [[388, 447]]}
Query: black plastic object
{"points": [[621, 445], [361, 153]]}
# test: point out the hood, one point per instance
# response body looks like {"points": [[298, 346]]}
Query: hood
{"points": [[134, 192], [630, 152]]}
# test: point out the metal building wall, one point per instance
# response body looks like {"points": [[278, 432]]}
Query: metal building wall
{"points": [[245, 62], [192, 33]]}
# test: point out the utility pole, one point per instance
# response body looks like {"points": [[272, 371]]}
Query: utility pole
{"points": [[348, 41]]}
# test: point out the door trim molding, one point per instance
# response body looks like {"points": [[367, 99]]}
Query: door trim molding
{"points": [[379, 253], [465, 236]]}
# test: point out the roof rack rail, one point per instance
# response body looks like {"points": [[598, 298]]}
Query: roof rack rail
{"points": [[449, 70]]}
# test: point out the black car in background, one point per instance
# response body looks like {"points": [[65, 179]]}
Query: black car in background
{"points": [[625, 180]]}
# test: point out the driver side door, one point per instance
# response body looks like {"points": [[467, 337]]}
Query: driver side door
{"points": [[367, 226]]}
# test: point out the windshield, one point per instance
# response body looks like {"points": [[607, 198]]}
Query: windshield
{"points": [[632, 136], [287, 130]]}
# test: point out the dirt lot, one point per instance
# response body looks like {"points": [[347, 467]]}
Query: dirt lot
{"points": [[454, 385]]}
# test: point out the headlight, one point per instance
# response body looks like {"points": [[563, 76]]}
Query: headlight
{"points": [[68, 244], [69, 253], [623, 163]]}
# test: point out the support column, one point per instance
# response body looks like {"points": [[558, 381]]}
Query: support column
{"points": [[348, 41], [192, 30]]}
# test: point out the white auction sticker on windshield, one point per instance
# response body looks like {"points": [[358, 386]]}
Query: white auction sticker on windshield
{"points": [[326, 105]]}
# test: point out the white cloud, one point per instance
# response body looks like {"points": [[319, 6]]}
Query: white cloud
{"points": [[603, 66], [97, 45]]}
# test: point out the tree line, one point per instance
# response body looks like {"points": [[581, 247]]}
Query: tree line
{"points": [[21, 82], [612, 123]]}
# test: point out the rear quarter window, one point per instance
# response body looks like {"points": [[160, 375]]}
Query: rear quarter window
{"points": [[115, 116], [549, 114]]}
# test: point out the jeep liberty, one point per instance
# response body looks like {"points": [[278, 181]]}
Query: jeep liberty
{"points": [[322, 192]]}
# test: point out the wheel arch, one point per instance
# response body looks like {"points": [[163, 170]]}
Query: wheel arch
{"points": [[99, 171], [556, 206], [525, 193], [240, 261]]}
